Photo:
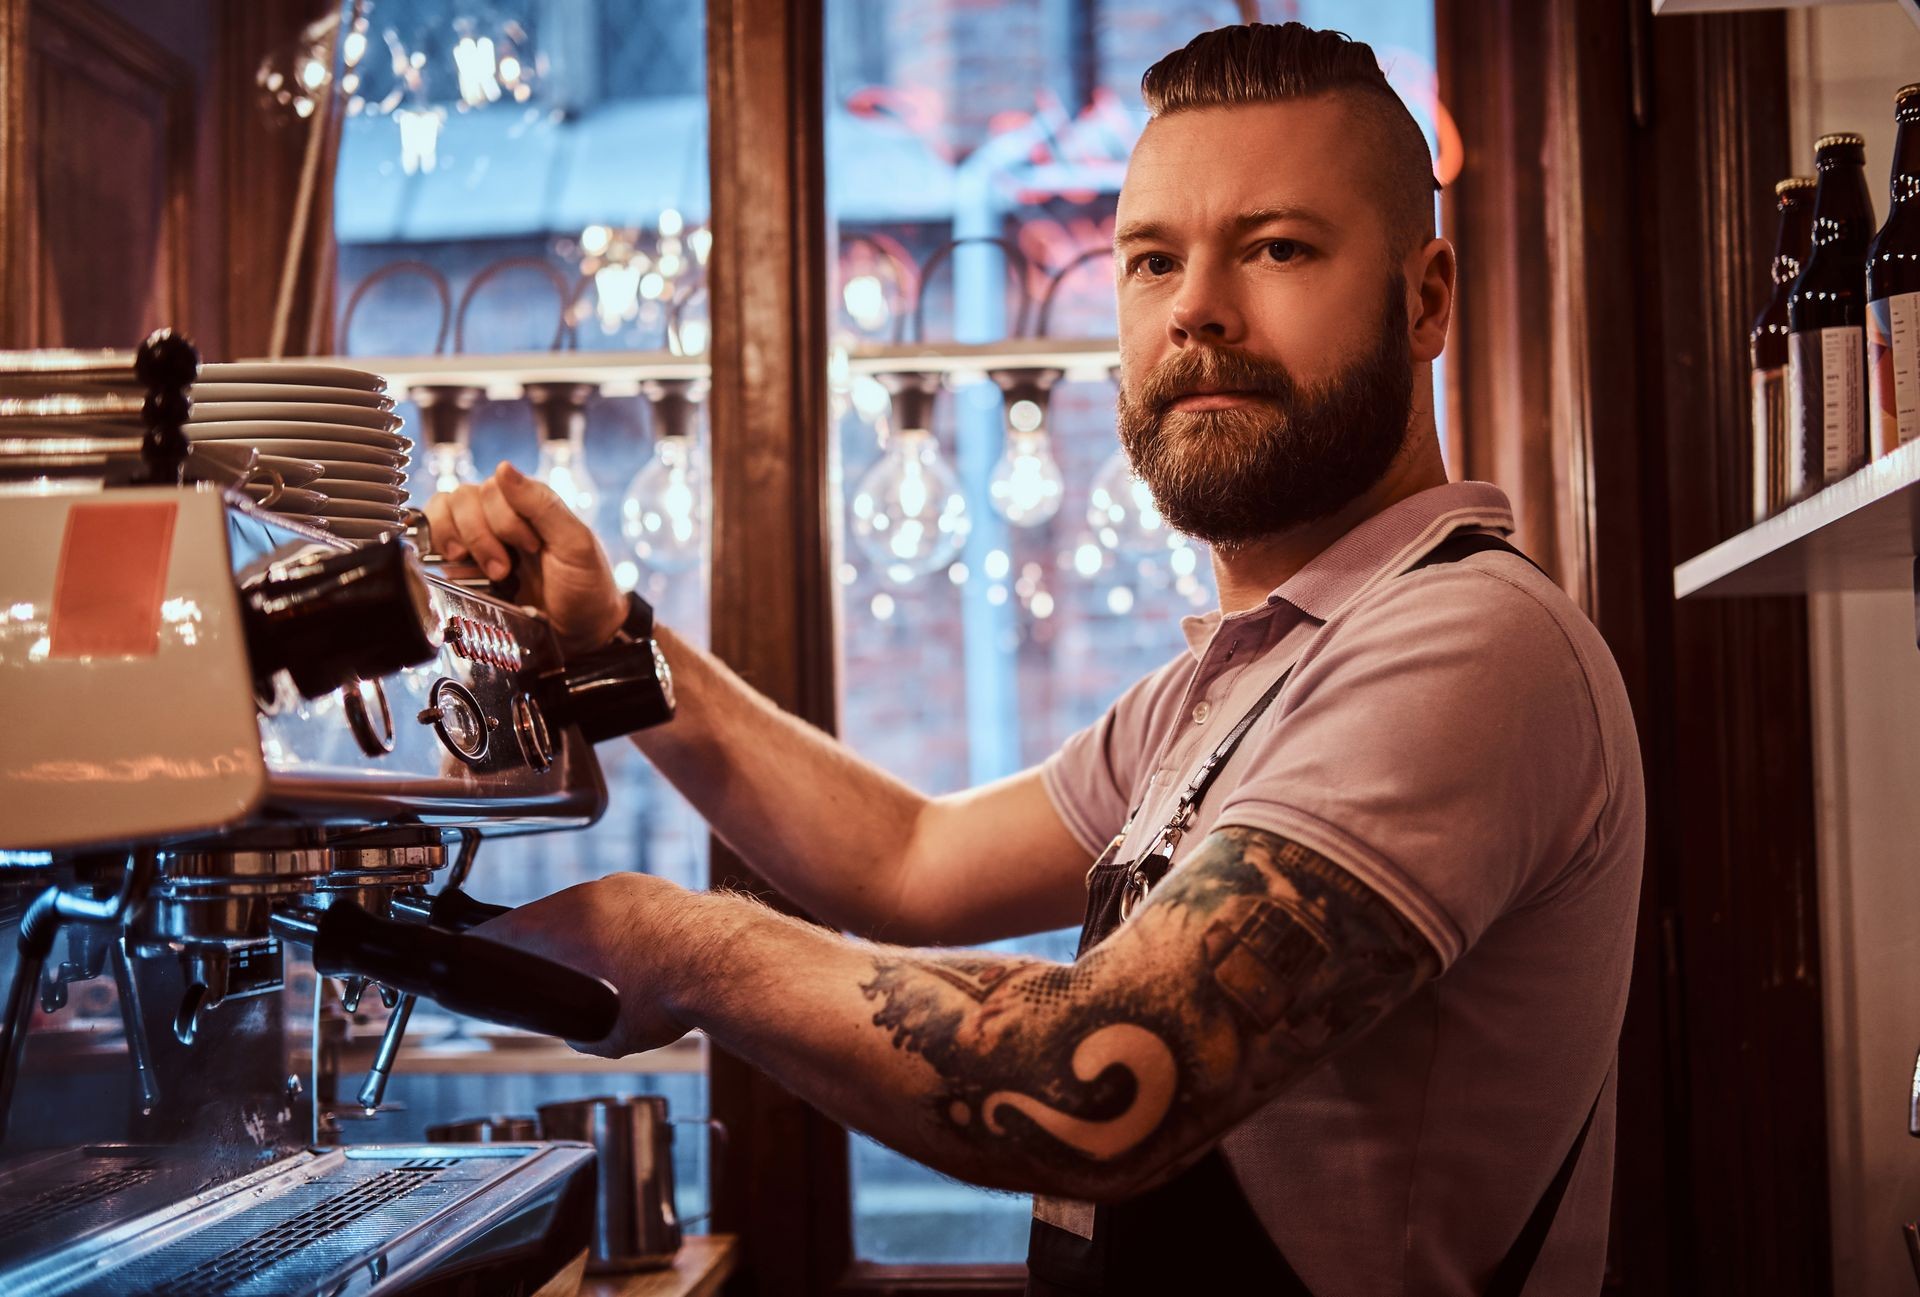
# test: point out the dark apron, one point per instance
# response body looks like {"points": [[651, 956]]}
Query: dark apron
{"points": [[1197, 1232]]}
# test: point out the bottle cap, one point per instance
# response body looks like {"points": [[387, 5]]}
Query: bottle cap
{"points": [[1905, 93], [1792, 183], [1839, 139]]}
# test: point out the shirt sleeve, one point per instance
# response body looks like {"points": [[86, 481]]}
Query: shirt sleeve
{"points": [[1444, 746], [1096, 772]]}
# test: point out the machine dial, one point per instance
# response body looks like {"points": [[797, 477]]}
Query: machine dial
{"points": [[536, 740], [368, 716], [456, 717]]}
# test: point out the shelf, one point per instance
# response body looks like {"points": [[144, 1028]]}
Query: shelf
{"points": [[1082, 359], [1858, 534], [1668, 8], [535, 1056], [702, 1265], [620, 373]]}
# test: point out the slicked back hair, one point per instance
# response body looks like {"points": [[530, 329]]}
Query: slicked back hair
{"points": [[1263, 63]]}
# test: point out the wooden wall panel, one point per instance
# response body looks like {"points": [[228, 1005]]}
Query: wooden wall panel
{"points": [[101, 133], [1613, 224]]}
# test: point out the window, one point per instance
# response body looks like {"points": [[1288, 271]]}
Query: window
{"points": [[1001, 579], [519, 182]]}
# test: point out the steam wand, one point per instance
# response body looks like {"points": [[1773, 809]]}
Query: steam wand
{"points": [[42, 922]]}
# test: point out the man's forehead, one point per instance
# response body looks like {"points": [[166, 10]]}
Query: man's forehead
{"points": [[1208, 166]]}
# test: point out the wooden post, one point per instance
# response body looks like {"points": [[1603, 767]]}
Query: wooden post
{"points": [[784, 1181]]}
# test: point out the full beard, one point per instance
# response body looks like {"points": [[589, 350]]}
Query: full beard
{"points": [[1287, 457]]}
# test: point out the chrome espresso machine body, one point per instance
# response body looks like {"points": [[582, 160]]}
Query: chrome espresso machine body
{"points": [[225, 735]]}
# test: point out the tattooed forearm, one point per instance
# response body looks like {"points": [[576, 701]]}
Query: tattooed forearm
{"points": [[1253, 961]]}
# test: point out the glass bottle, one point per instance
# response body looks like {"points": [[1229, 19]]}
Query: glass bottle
{"points": [[1893, 293], [1767, 349], [1826, 322]]}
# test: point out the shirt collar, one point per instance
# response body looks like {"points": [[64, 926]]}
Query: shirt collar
{"points": [[1376, 549]]}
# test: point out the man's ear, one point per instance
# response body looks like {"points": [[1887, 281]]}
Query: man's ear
{"points": [[1430, 277]]}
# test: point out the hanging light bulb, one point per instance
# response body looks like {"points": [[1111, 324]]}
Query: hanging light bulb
{"points": [[664, 514], [1121, 510], [560, 410], [1026, 485], [447, 413], [908, 513]]}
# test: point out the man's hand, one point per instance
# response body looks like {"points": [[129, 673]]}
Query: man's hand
{"points": [[629, 929], [563, 572]]}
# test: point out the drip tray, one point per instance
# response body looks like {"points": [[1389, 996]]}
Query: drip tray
{"points": [[388, 1219]]}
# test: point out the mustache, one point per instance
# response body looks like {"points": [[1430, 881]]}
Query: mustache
{"points": [[1205, 368]]}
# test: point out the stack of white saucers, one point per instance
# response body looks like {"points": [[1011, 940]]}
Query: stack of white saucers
{"points": [[328, 434]]}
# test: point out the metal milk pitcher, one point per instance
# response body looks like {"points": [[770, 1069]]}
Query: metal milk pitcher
{"points": [[635, 1224]]}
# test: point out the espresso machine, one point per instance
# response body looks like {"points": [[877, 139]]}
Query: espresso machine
{"points": [[228, 739]]}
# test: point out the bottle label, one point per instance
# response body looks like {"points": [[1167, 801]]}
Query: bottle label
{"points": [[1893, 370], [1772, 473], [1829, 409]]}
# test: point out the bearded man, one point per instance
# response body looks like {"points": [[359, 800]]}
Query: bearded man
{"points": [[1358, 873]]}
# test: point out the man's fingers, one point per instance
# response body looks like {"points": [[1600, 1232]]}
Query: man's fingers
{"points": [[559, 529], [445, 531], [471, 517], [506, 523]]}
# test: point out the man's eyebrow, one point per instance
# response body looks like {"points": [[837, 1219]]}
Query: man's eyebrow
{"points": [[1158, 232], [1139, 232], [1259, 216]]}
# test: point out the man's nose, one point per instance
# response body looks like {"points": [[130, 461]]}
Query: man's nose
{"points": [[1207, 308]]}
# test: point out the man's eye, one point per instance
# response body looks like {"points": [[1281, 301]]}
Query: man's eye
{"points": [[1283, 250], [1154, 264]]}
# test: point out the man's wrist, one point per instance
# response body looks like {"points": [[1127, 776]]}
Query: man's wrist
{"points": [[704, 929], [608, 624]]}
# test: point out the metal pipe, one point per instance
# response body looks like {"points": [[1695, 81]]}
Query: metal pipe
{"points": [[133, 1022], [49, 912], [375, 1088]]}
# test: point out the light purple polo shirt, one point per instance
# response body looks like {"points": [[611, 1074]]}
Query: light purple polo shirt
{"points": [[1460, 739]]}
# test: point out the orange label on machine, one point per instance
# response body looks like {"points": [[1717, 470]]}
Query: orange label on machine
{"points": [[112, 579]]}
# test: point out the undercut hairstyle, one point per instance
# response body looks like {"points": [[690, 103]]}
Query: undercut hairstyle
{"points": [[1264, 63]]}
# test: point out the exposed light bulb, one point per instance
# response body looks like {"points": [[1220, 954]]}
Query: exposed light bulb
{"points": [[419, 137], [1121, 510], [866, 301], [616, 294], [908, 512], [478, 69], [664, 514], [563, 466], [450, 465], [1026, 484]]}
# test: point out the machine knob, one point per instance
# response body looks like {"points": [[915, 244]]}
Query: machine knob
{"points": [[329, 617]]}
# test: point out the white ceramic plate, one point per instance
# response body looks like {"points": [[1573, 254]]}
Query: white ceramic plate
{"points": [[330, 451], [253, 431], [338, 470], [300, 412], [361, 528], [361, 509], [222, 393], [371, 492], [276, 371]]}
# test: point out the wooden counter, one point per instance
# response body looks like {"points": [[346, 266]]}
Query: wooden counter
{"points": [[704, 1262]]}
